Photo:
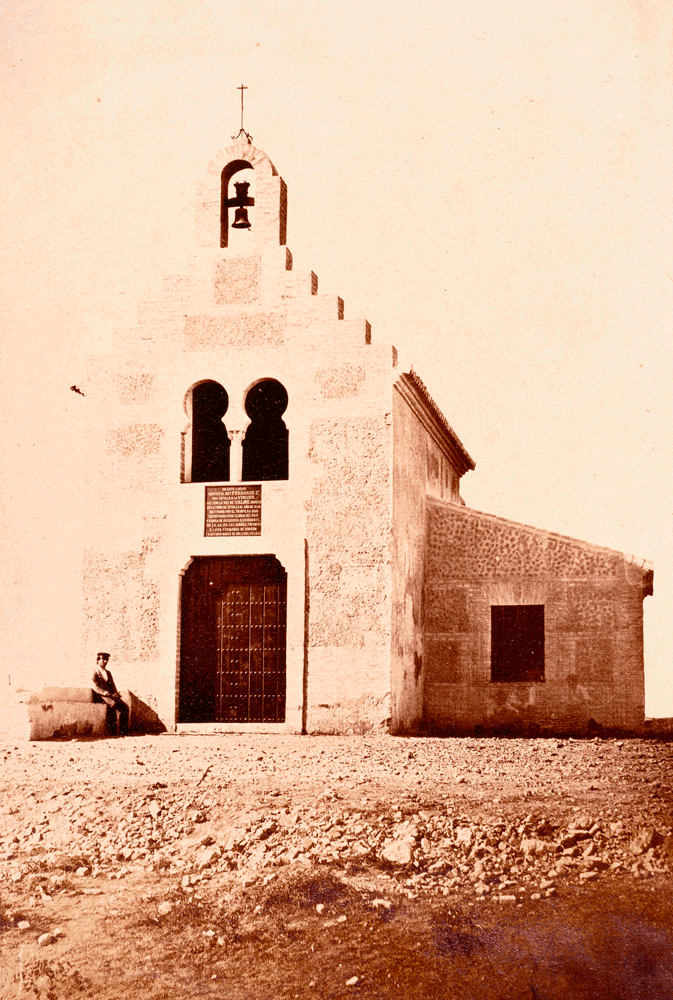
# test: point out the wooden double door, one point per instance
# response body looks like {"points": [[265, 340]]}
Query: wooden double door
{"points": [[233, 640]]}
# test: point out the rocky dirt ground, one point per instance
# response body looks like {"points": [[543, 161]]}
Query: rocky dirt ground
{"points": [[321, 866]]}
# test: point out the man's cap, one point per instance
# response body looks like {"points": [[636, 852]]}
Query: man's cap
{"points": [[105, 655]]}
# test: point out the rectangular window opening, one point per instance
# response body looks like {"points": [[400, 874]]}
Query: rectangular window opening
{"points": [[517, 642]]}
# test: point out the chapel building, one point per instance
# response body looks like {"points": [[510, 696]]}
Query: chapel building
{"points": [[277, 540]]}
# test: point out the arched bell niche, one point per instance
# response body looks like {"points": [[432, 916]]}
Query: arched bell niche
{"points": [[236, 198], [265, 445], [215, 212], [208, 442]]}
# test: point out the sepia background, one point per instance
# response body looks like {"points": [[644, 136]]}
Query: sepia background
{"points": [[487, 182]]}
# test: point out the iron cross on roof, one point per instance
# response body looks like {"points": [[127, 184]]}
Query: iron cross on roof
{"points": [[242, 130]]}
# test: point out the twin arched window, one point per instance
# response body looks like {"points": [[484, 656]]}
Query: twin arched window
{"points": [[210, 441], [265, 441], [265, 445]]}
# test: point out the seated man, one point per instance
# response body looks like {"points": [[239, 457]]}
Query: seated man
{"points": [[106, 687]]}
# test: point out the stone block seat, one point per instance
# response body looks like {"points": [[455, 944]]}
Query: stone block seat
{"points": [[69, 712]]}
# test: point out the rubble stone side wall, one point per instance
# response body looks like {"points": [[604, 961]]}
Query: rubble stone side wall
{"points": [[593, 600]]}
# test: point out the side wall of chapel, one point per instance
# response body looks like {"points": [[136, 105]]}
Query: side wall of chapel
{"points": [[421, 467], [593, 626]]}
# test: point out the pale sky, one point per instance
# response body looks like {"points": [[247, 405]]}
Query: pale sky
{"points": [[487, 182]]}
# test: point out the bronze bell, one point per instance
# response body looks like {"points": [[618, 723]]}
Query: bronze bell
{"points": [[241, 220]]}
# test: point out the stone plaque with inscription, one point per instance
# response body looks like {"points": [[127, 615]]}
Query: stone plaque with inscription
{"points": [[233, 510]]}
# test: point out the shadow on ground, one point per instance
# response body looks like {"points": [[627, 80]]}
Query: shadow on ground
{"points": [[313, 933]]}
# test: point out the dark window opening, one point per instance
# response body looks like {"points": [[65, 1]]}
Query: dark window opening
{"points": [[210, 441], [517, 642], [265, 445]]}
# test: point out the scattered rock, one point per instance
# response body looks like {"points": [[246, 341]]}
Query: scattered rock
{"points": [[644, 840], [464, 836], [451, 847], [533, 845], [206, 858], [573, 838], [587, 876], [399, 852]]}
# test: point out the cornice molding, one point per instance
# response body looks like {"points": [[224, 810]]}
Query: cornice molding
{"points": [[419, 400]]}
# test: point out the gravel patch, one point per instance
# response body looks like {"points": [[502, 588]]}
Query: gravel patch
{"points": [[483, 818]]}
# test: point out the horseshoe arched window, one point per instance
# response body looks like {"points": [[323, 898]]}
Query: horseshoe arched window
{"points": [[210, 441], [265, 446]]}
